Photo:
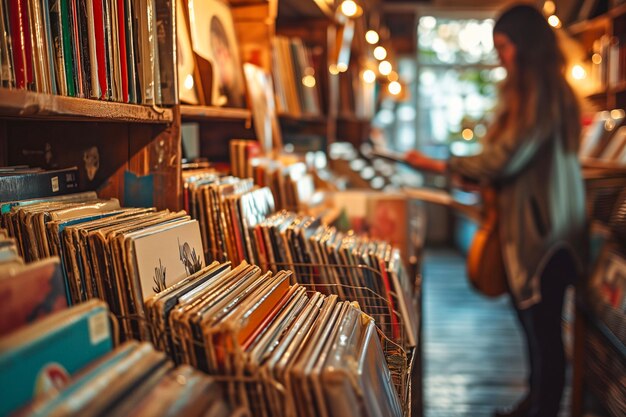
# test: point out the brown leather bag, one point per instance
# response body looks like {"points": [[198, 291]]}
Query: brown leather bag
{"points": [[485, 266]]}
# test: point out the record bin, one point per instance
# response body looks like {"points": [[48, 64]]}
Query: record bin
{"points": [[263, 394]]}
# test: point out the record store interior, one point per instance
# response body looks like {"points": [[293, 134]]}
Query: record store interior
{"points": [[313, 208]]}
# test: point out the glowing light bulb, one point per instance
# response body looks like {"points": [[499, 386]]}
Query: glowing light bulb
{"points": [[349, 8], [371, 36], [341, 67], [549, 8], [308, 81], [554, 21], [578, 72], [332, 68], [384, 67], [596, 58], [189, 82], [394, 88], [369, 76], [380, 53], [467, 134]]}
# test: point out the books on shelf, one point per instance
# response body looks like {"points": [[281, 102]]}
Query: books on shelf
{"points": [[297, 86], [604, 139], [101, 49]]}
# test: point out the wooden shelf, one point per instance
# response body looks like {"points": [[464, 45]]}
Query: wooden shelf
{"points": [[303, 118], [30, 105], [597, 23], [305, 9], [208, 113]]}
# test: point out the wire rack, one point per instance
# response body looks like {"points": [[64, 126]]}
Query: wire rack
{"points": [[264, 394]]}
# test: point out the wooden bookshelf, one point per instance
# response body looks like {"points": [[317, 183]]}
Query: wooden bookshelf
{"points": [[210, 113], [593, 34], [31, 105]]}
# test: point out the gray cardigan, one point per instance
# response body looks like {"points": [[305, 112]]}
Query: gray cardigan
{"points": [[541, 205]]}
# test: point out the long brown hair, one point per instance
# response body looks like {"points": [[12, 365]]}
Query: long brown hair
{"points": [[536, 93]]}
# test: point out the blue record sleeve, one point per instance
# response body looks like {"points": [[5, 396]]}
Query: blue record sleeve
{"points": [[45, 354]]}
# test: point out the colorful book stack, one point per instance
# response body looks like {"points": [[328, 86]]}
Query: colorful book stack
{"points": [[102, 49]]}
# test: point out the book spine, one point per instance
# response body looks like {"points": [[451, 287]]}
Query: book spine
{"points": [[48, 45], [56, 36], [8, 76], [83, 46], [17, 38], [92, 51], [74, 30], [130, 52], [121, 27], [166, 35], [70, 75], [45, 184], [101, 58]]}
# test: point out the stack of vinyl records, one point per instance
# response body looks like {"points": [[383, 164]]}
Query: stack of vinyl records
{"points": [[121, 256], [354, 267], [235, 226], [264, 334], [64, 364], [293, 187], [227, 208], [105, 49]]}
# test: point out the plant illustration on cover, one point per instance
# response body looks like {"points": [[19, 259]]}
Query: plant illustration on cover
{"points": [[189, 258], [159, 278]]}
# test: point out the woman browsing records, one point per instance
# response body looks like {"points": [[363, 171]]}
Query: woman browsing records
{"points": [[529, 158]]}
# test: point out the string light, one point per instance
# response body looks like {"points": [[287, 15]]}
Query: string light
{"points": [[349, 8], [384, 67], [394, 88], [578, 72], [380, 53], [467, 134], [554, 21], [341, 67], [549, 8], [371, 36], [369, 76]]}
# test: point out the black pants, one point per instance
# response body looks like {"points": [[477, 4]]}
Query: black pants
{"points": [[544, 340]]}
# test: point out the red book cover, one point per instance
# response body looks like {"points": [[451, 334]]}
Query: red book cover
{"points": [[98, 17], [17, 38], [28, 47], [121, 19]]}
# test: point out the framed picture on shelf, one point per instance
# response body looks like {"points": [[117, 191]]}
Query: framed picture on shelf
{"points": [[213, 39]]}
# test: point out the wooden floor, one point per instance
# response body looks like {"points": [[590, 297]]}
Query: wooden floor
{"points": [[472, 347]]}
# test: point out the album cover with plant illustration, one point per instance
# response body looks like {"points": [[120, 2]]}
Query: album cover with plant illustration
{"points": [[168, 255]]}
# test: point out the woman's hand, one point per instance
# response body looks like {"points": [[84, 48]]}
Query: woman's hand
{"points": [[422, 162]]}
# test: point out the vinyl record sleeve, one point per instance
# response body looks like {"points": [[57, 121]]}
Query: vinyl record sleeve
{"points": [[20, 307], [35, 358]]}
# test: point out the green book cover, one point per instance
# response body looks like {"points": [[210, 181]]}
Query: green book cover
{"points": [[67, 47]]}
